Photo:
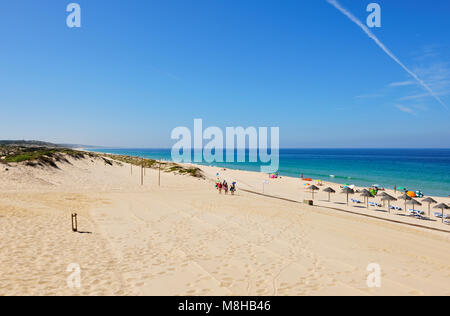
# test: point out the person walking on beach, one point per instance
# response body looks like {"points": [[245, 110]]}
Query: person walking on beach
{"points": [[219, 186], [233, 188], [225, 186], [217, 183]]}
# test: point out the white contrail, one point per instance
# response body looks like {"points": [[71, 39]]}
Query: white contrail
{"points": [[384, 48]]}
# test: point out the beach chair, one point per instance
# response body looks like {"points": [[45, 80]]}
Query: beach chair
{"points": [[438, 215], [374, 204], [418, 216], [396, 208], [356, 201], [447, 222]]}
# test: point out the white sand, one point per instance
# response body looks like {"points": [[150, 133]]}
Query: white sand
{"points": [[185, 239]]}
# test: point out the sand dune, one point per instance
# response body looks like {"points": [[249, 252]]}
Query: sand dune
{"points": [[183, 238]]}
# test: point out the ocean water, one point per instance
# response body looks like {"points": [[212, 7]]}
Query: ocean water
{"points": [[427, 170]]}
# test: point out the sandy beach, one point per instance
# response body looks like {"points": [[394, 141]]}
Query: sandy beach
{"points": [[183, 238]]}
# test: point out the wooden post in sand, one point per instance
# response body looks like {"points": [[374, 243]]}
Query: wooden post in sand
{"points": [[131, 166], [142, 172], [143, 166], [159, 174], [264, 182], [74, 222]]}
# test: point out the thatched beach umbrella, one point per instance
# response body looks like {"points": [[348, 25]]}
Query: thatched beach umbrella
{"points": [[348, 191], [313, 188], [442, 207], [389, 199], [414, 203], [366, 194], [429, 201], [405, 197], [329, 191], [383, 194]]}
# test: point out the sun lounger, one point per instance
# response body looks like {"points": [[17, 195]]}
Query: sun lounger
{"points": [[412, 211], [396, 208], [418, 216], [355, 201], [447, 222], [374, 204], [438, 215]]}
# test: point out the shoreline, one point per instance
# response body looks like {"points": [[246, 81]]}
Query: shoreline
{"points": [[429, 221], [378, 213], [294, 189], [430, 187]]}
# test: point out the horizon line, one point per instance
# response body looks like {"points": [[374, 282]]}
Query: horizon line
{"points": [[169, 148]]}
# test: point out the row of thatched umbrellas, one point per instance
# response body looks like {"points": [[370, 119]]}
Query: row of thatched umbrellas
{"points": [[385, 198]]}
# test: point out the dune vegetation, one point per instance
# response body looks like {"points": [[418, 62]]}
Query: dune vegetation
{"points": [[156, 164], [50, 155]]}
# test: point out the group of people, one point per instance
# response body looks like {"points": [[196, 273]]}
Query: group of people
{"points": [[223, 186]]}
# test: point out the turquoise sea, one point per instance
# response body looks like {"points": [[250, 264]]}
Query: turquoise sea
{"points": [[427, 170]]}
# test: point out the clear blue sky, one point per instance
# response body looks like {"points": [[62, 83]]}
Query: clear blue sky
{"points": [[139, 68]]}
